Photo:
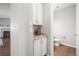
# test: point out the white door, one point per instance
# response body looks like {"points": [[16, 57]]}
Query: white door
{"points": [[44, 46], [37, 47]]}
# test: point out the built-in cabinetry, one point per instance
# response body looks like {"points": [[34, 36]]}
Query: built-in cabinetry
{"points": [[37, 14], [37, 47], [40, 46]]}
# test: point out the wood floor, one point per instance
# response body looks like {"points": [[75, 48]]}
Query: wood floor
{"points": [[63, 50], [5, 50]]}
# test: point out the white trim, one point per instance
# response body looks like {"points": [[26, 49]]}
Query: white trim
{"points": [[51, 31], [68, 45]]}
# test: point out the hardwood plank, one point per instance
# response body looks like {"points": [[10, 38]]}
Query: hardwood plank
{"points": [[5, 50], [63, 50]]}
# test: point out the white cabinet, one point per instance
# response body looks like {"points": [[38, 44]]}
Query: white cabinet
{"points": [[40, 14], [37, 14], [40, 47], [37, 47]]}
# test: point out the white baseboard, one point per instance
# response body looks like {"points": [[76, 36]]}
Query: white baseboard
{"points": [[68, 45]]}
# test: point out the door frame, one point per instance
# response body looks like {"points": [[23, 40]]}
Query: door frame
{"points": [[51, 30]]}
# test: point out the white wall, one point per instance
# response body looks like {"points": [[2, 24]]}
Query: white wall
{"points": [[46, 23], [65, 25], [77, 29], [30, 51], [48, 26], [21, 37]]}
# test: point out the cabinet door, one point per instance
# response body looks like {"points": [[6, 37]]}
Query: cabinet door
{"points": [[40, 14], [44, 46], [35, 14], [37, 47]]}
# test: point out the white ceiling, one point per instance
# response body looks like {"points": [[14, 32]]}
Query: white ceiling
{"points": [[58, 6]]}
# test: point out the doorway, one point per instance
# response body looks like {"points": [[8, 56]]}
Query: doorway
{"points": [[4, 37], [64, 29]]}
